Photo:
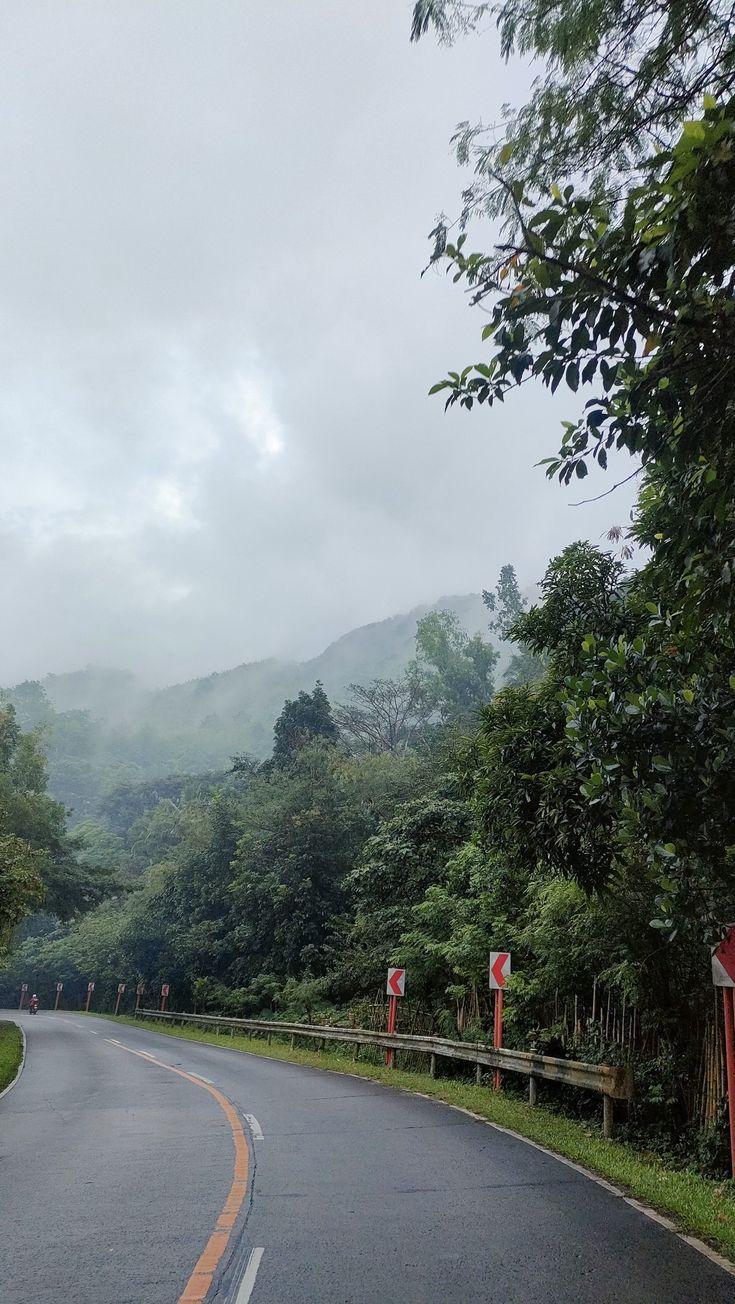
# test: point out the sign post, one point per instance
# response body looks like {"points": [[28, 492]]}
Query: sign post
{"points": [[723, 975], [23, 994], [138, 994], [59, 990], [499, 971], [120, 990], [164, 997], [396, 986], [90, 989]]}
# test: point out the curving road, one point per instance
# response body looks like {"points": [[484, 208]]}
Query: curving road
{"points": [[125, 1179]]}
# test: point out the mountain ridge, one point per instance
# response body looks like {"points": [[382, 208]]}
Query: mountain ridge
{"points": [[102, 727]]}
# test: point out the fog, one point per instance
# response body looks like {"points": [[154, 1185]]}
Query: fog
{"points": [[217, 343]]}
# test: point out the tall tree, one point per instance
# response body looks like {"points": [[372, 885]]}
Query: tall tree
{"points": [[638, 300], [458, 668], [387, 715], [507, 605], [302, 720], [37, 858]]}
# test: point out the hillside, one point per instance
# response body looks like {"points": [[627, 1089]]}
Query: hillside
{"points": [[104, 726]]}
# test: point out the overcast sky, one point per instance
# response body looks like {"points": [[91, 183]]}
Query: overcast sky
{"points": [[216, 343]]}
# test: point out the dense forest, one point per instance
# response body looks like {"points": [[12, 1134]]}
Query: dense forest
{"points": [[574, 807]]}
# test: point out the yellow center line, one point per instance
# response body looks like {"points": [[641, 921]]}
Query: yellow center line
{"points": [[200, 1281]]}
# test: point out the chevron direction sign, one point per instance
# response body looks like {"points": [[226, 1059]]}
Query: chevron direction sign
{"points": [[396, 982], [499, 969], [723, 960]]}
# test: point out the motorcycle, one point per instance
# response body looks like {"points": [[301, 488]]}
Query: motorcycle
{"points": [[33, 1008]]}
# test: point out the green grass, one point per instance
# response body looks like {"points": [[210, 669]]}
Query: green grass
{"points": [[11, 1051], [697, 1205]]}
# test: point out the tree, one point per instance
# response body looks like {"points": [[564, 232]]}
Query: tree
{"points": [[387, 715], [457, 667], [303, 719], [522, 772], [618, 81], [405, 856], [37, 858], [507, 604], [21, 885], [293, 854], [637, 299]]}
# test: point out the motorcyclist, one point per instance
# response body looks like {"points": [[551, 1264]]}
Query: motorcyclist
{"points": [[33, 1004]]}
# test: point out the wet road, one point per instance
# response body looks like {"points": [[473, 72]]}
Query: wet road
{"points": [[139, 1169]]}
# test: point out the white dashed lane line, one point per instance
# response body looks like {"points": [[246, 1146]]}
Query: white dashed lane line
{"points": [[251, 1272]]}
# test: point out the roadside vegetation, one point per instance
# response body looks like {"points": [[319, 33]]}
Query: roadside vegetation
{"points": [[11, 1052], [576, 808]]}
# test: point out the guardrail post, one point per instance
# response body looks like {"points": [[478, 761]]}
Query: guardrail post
{"points": [[292, 1042], [268, 1039], [356, 1052], [478, 1074], [432, 1065], [608, 1112], [533, 1091]]}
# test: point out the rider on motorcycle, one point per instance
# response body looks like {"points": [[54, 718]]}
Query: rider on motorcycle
{"points": [[33, 1004]]}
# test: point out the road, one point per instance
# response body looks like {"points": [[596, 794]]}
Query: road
{"points": [[123, 1181]]}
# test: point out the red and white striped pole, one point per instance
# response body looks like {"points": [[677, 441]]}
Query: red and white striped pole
{"points": [[498, 1032], [59, 990], [729, 1012], [120, 990], [392, 1013], [90, 989]]}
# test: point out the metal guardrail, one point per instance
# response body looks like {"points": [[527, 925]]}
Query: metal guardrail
{"points": [[610, 1082]]}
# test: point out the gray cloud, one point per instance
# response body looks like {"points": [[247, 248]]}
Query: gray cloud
{"points": [[216, 344]]}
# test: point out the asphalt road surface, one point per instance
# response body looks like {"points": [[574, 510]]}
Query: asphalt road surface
{"points": [[123, 1181]]}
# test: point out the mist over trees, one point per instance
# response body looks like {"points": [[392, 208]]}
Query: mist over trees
{"points": [[575, 807]]}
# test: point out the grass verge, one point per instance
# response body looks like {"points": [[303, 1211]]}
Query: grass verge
{"points": [[11, 1052], [698, 1206]]}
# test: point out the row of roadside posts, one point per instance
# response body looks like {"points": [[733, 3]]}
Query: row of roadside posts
{"points": [[723, 975], [499, 972], [139, 990]]}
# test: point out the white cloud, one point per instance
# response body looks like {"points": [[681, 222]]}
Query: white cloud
{"points": [[216, 344]]}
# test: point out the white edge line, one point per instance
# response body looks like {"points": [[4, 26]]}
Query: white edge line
{"points": [[701, 1247], [113, 1041], [254, 1126], [21, 1066], [692, 1241], [251, 1272], [201, 1077]]}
